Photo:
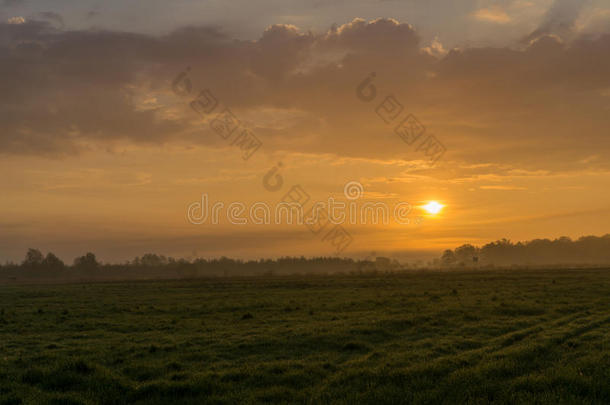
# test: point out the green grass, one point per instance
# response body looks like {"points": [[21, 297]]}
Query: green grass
{"points": [[502, 337]]}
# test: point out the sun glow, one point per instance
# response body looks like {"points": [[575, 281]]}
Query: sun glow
{"points": [[433, 207]]}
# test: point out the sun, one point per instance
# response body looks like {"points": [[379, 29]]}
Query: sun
{"points": [[433, 207]]}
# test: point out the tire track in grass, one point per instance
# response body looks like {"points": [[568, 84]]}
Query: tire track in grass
{"points": [[458, 371]]}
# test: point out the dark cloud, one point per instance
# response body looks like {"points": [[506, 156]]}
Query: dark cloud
{"points": [[65, 88], [280, 50], [13, 3], [51, 16], [559, 19], [381, 35]]}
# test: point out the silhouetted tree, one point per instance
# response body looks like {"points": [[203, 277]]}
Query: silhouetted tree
{"points": [[151, 259], [464, 255], [585, 250], [448, 258], [33, 258], [86, 262], [52, 262]]}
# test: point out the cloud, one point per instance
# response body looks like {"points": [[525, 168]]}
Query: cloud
{"points": [[593, 21], [494, 15], [558, 20], [435, 48], [16, 20], [13, 3], [280, 50], [504, 188], [51, 16], [380, 35], [68, 90]]}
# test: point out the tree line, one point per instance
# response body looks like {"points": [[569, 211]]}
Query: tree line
{"points": [[150, 265], [587, 250]]}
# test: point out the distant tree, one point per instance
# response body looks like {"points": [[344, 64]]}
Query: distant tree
{"points": [[52, 262], [465, 254], [448, 258], [584, 251], [33, 258], [151, 259], [86, 262]]}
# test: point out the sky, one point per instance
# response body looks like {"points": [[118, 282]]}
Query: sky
{"points": [[103, 150]]}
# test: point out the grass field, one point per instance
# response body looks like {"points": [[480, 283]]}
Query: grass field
{"points": [[502, 337]]}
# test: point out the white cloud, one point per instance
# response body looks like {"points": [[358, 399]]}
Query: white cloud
{"points": [[494, 15], [16, 20], [435, 48], [593, 20]]}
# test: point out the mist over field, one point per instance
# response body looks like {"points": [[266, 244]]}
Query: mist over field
{"points": [[584, 252]]}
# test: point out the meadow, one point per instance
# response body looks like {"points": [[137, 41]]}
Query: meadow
{"points": [[518, 336]]}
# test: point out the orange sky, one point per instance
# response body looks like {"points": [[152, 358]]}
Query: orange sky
{"points": [[100, 154]]}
